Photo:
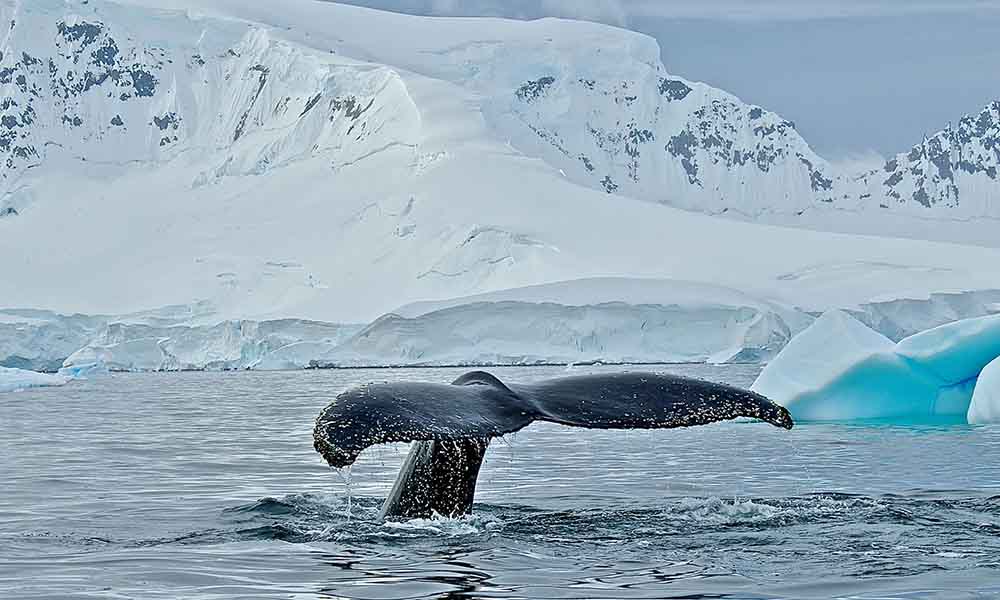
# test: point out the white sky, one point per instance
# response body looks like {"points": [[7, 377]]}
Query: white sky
{"points": [[859, 77]]}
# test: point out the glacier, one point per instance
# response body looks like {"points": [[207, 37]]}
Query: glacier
{"points": [[38, 340], [838, 369], [277, 166]]}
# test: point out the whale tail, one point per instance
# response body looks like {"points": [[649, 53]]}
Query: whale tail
{"points": [[453, 424]]}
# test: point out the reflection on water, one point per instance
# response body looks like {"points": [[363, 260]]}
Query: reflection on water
{"points": [[205, 485]]}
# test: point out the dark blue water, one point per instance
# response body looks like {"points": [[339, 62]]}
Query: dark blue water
{"points": [[205, 485]]}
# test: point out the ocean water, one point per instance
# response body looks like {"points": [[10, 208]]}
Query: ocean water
{"points": [[205, 485]]}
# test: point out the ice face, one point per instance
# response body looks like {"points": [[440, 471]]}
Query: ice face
{"points": [[985, 406], [817, 363], [957, 351]]}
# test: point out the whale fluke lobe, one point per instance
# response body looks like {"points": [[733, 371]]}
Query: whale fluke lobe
{"points": [[452, 425], [646, 401]]}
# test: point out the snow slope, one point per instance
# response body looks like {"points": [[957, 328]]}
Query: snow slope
{"points": [[597, 103], [323, 162], [953, 173]]}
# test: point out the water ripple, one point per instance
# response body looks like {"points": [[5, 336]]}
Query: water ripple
{"points": [[205, 485]]}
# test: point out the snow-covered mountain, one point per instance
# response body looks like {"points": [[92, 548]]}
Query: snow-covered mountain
{"points": [[113, 87], [314, 161], [952, 174], [104, 83], [632, 129]]}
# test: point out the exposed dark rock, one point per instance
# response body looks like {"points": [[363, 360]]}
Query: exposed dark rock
{"points": [[87, 33], [532, 90], [310, 104], [673, 89], [350, 106], [169, 120]]}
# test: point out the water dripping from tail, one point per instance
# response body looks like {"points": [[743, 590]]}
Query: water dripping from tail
{"points": [[807, 484], [345, 476]]}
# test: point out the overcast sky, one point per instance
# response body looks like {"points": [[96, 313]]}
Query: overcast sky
{"points": [[860, 78]]}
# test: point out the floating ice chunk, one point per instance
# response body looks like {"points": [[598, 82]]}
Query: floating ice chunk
{"points": [[84, 370], [985, 406], [838, 369], [12, 380]]}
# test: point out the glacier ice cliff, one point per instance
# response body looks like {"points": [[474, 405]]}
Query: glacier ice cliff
{"points": [[222, 346], [587, 320]]}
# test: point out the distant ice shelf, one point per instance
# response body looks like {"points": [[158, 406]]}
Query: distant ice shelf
{"points": [[609, 319]]}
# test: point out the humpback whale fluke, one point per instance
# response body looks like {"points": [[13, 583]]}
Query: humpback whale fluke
{"points": [[452, 424]]}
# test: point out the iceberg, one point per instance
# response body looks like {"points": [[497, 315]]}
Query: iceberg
{"points": [[839, 369], [13, 380], [985, 406], [956, 352]]}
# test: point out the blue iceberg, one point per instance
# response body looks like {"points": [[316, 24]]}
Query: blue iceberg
{"points": [[839, 369]]}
